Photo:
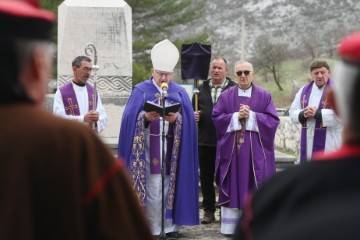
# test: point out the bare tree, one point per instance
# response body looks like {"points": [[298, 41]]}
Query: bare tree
{"points": [[269, 56], [310, 46], [330, 39]]}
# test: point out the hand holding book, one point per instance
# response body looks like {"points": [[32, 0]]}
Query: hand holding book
{"points": [[153, 107]]}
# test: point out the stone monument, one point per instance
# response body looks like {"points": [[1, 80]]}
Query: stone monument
{"points": [[107, 25]]}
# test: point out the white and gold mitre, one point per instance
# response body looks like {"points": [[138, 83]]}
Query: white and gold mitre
{"points": [[164, 56]]}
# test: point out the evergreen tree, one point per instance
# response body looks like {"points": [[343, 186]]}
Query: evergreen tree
{"points": [[52, 5], [153, 21]]}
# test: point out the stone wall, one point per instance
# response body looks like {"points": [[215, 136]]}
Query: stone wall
{"points": [[288, 136]]}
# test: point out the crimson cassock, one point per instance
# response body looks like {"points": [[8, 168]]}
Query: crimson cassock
{"points": [[241, 167]]}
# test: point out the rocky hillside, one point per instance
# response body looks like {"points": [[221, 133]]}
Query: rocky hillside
{"points": [[311, 27]]}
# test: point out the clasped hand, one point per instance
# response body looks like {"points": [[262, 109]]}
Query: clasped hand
{"points": [[244, 111], [309, 112]]}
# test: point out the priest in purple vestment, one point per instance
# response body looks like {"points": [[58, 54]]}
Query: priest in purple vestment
{"points": [[246, 121], [75, 99], [321, 129], [318, 199], [140, 144]]}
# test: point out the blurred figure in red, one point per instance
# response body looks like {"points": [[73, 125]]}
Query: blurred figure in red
{"points": [[57, 179]]}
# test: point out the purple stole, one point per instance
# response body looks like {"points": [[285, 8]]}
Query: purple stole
{"points": [[320, 131], [137, 158], [155, 147], [69, 99]]}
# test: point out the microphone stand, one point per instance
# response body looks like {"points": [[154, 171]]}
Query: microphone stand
{"points": [[162, 233]]}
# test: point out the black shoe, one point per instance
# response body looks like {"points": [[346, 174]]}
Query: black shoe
{"points": [[173, 234], [209, 217]]}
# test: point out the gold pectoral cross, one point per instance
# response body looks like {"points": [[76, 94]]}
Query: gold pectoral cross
{"points": [[155, 161], [324, 103], [303, 101], [240, 135], [71, 107]]}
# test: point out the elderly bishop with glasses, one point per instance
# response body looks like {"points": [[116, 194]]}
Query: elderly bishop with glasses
{"points": [[141, 145], [246, 121]]}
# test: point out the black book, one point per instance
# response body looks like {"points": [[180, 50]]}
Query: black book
{"points": [[153, 107]]}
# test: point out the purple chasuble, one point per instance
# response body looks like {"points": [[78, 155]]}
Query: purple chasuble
{"points": [[137, 161], [244, 159], [319, 132], [182, 202], [70, 101]]}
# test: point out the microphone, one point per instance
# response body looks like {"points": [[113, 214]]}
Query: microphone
{"points": [[164, 86]]}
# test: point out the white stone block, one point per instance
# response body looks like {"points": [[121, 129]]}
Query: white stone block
{"points": [[108, 25]]}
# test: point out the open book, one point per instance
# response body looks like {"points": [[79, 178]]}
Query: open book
{"points": [[153, 107]]}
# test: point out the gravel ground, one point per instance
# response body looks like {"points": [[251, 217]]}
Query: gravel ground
{"points": [[203, 231]]}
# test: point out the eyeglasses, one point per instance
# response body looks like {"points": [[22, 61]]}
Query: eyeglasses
{"points": [[166, 74], [246, 73], [86, 69]]}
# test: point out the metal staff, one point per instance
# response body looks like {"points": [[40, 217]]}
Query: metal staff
{"points": [[196, 94], [90, 49]]}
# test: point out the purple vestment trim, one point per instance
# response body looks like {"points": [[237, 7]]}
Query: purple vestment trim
{"points": [[138, 164], [137, 160], [229, 220], [303, 148], [174, 165], [155, 147], [70, 101], [319, 132], [90, 91], [170, 143]]}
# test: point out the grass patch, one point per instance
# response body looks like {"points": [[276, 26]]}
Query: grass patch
{"points": [[286, 152], [293, 74]]}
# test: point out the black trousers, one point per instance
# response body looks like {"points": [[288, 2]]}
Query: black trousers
{"points": [[207, 155]]}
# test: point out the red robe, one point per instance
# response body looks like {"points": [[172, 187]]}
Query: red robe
{"points": [[58, 181]]}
